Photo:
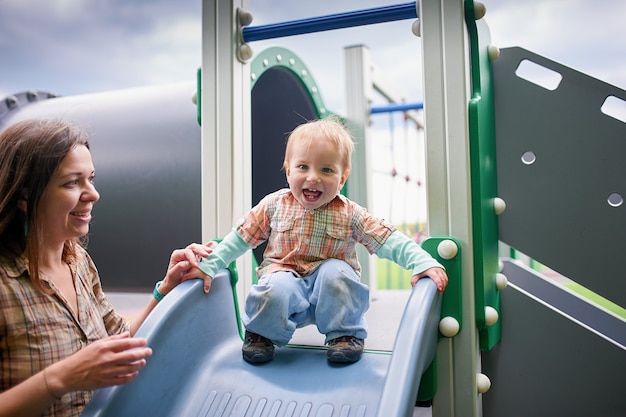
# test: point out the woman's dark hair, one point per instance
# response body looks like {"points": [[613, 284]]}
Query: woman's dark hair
{"points": [[31, 151]]}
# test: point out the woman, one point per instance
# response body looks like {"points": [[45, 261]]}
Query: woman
{"points": [[59, 337]]}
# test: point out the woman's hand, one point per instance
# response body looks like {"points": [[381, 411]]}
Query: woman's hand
{"points": [[113, 360], [436, 274], [184, 265], [110, 361]]}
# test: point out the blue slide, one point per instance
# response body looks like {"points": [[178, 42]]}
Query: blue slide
{"points": [[197, 370]]}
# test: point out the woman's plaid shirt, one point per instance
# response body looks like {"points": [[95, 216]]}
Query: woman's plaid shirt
{"points": [[38, 329]]}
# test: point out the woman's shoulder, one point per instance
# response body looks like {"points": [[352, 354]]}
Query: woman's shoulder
{"points": [[82, 261], [13, 266], [80, 252]]}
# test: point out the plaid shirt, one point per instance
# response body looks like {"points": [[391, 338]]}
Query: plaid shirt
{"points": [[38, 329], [299, 240]]}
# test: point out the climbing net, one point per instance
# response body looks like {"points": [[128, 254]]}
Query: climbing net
{"points": [[398, 183]]}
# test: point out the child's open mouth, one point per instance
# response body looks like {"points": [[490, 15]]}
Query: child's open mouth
{"points": [[310, 194]]}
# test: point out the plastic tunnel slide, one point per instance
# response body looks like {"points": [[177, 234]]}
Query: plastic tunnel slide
{"points": [[197, 370]]}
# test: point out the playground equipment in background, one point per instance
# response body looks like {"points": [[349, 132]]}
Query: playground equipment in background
{"points": [[463, 196], [503, 350], [398, 176]]}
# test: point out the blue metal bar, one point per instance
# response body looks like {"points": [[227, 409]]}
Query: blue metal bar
{"points": [[396, 107], [331, 22]]}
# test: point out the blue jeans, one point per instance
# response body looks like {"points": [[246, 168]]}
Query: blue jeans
{"points": [[332, 297]]}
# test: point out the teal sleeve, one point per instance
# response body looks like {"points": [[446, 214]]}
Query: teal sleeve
{"points": [[407, 253], [229, 249]]}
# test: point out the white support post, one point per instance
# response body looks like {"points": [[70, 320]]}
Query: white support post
{"points": [[358, 90], [226, 125], [446, 97]]}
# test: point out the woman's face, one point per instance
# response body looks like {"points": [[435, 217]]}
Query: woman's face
{"points": [[66, 203]]}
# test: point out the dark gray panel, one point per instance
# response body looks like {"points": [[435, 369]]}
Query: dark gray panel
{"points": [[280, 102], [557, 210], [146, 150], [547, 364]]}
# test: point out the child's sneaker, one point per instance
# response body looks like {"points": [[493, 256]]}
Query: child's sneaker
{"points": [[345, 349], [257, 349]]}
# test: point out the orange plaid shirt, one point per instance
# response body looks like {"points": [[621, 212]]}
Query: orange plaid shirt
{"points": [[38, 329], [299, 239]]}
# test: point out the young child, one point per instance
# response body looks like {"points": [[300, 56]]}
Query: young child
{"points": [[310, 272]]}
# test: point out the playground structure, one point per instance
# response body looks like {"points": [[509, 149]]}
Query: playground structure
{"points": [[448, 177], [529, 348]]}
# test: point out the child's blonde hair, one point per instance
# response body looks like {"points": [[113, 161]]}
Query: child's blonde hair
{"points": [[329, 128]]}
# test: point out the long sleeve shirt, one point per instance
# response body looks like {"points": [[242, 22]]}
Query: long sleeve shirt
{"points": [[299, 239], [38, 329]]}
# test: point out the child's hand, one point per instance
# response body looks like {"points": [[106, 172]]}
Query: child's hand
{"points": [[193, 271], [207, 281], [436, 274], [184, 265]]}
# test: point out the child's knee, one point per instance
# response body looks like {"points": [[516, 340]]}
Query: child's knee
{"points": [[334, 268]]}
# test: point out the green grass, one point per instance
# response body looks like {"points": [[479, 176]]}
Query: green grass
{"points": [[595, 298], [576, 287], [391, 276]]}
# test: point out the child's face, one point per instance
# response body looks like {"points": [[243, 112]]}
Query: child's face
{"points": [[315, 172]]}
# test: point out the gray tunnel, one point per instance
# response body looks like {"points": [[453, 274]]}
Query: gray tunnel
{"points": [[145, 145], [146, 149]]}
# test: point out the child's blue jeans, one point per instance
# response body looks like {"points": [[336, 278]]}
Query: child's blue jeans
{"points": [[332, 297]]}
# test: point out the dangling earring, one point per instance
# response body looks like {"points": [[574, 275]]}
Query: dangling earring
{"points": [[26, 227]]}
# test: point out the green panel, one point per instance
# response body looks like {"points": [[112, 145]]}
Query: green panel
{"points": [[452, 302], [281, 57], [483, 177], [451, 306], [234, 278], [269, 58], [199, 96], [428, 383]]}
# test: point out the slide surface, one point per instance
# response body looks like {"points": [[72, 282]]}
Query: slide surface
{"points": [[197, 369]]}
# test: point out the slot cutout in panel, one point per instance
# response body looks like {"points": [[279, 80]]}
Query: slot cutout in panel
{"points": [[614, 107], [539, 75]]}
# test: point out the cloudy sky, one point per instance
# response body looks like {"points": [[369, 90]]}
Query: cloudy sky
{"points": [[84, 46]]}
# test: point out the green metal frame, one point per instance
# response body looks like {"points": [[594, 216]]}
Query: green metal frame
{"points": [[267, 59], [483, 178], [450, 306], [280, 57]]}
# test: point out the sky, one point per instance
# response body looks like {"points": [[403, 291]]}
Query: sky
{"points": [[85, 46]]}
